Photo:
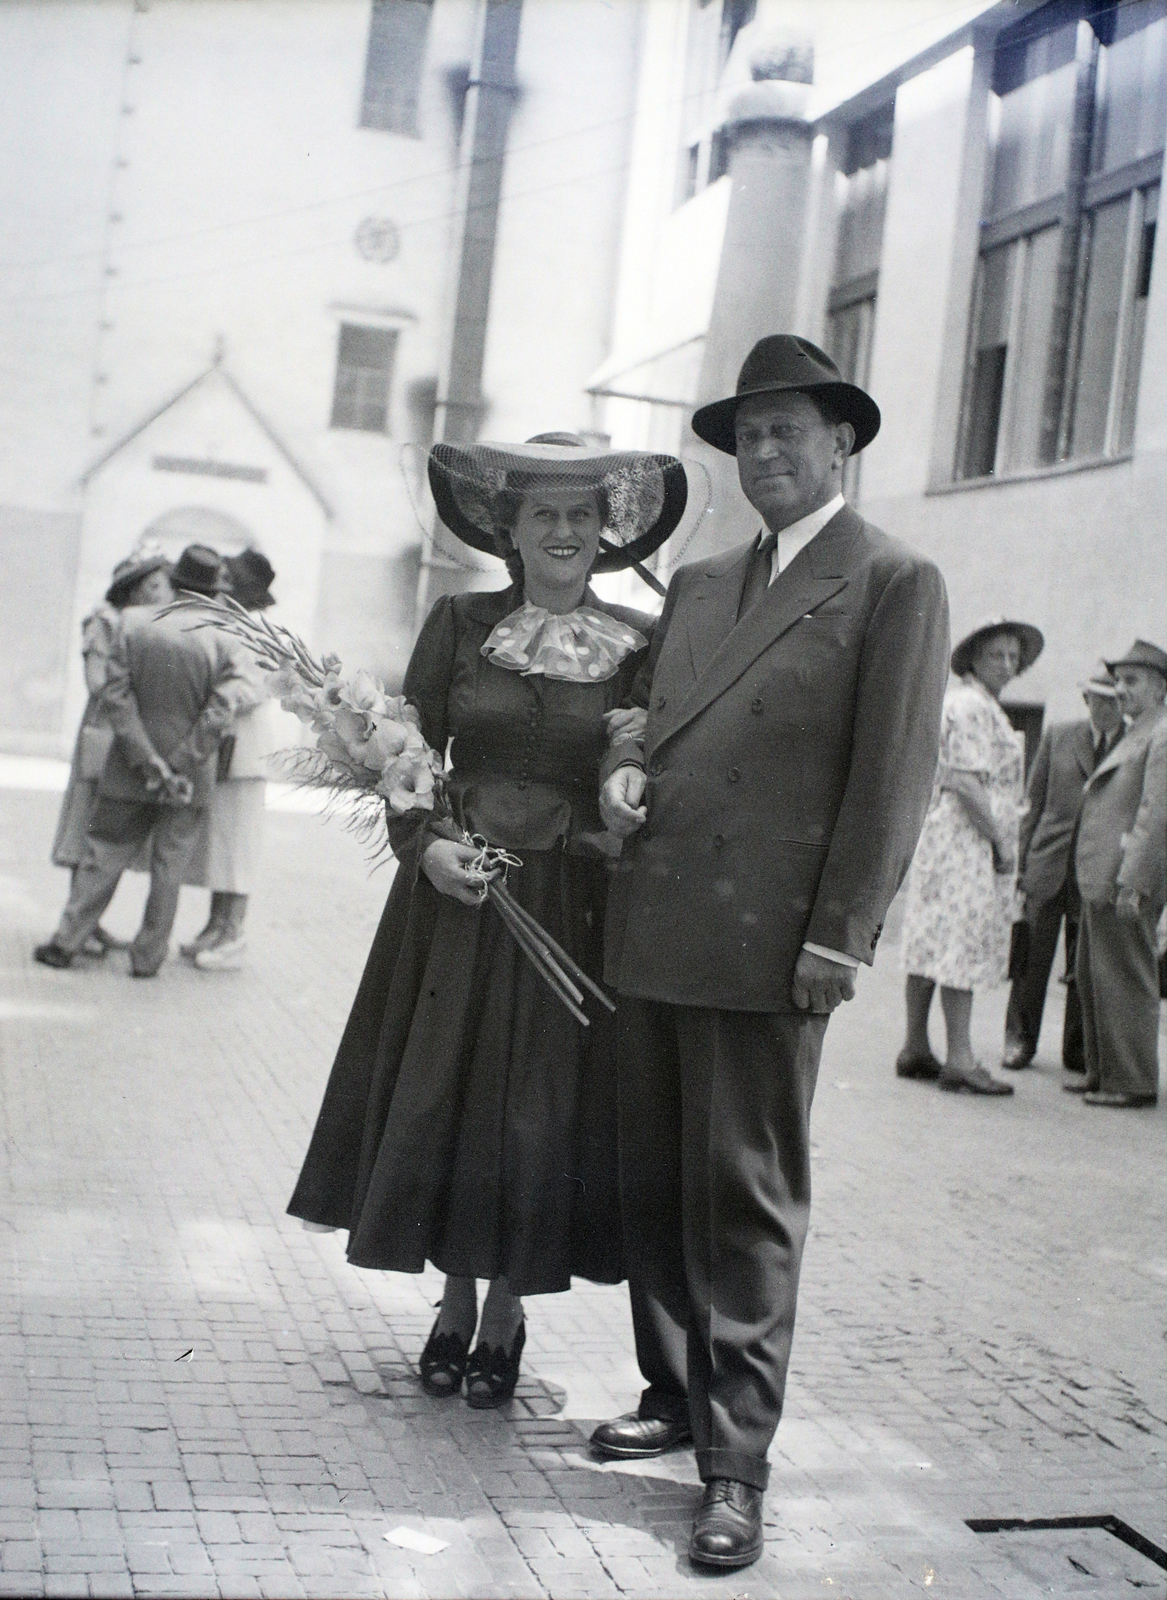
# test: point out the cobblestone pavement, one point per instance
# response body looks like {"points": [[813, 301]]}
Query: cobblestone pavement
{"points": [[197, 1397]]}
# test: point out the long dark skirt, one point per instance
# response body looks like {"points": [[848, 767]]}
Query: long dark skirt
{"points": [[469, 1119]]}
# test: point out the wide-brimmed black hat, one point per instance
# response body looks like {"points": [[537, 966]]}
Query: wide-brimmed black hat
{"points": [[780, 364], [1142, 654], [132, 570], [250, 575], [200, 569], [1030, 639], [646, 493]]}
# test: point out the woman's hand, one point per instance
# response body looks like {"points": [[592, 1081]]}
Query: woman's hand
{"points": [[622, 801], [446, 864]]}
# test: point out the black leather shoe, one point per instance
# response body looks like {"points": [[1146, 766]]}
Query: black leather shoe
{"points": [[925, 1066], [1079, 1086], [443, 1363], [492, 1372], [51, 955], [635, 1438], [727, 1531]]}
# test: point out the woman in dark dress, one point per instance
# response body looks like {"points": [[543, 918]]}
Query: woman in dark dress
{"points": [[470, 1120]]}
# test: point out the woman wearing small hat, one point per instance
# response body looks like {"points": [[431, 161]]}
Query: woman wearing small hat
{"points": [[962, 888], [469, 1119], [142, 579], [227, 854]]}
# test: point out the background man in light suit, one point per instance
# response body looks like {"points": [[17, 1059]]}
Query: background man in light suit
{"points": [[1121, 863], [1066, 756], [171, 691], [793, 697]]}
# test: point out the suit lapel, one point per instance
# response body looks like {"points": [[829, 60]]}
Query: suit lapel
{"points": [[1133, 742], [816, 573], [713, 612], [1084, 747]]}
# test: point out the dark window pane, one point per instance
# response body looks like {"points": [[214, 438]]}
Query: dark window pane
{"points": [[988, 382], [861, 223], [397, 39], [364, 367], [1138, 330], [735, 15]]}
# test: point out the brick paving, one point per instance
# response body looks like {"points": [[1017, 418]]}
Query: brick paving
{"points": [[199, 1398]]}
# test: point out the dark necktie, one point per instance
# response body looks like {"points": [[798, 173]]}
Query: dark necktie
{"points": [[758, 576]]}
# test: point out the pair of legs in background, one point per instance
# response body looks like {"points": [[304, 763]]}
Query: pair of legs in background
{"points": [[1028, 992], [715, 1193], [118, 830], [1118, 985]]}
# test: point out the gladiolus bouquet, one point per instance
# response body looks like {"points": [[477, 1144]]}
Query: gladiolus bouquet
{"points": [[369, 749]]}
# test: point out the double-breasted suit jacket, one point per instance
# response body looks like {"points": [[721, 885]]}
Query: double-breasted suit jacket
{"points": [[1122, 839], [1063, 763], [789, 759]]}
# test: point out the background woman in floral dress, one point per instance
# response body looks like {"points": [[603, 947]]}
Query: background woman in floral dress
{"points": [[962, 888], [469, 1119]]}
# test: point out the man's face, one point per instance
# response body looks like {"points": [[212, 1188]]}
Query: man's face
{"points": [[1139, 689], [789, 460], [1104, 711]]}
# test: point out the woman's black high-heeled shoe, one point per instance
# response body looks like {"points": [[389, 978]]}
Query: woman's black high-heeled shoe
{"points": [[443, 1363], [491, 1374]]}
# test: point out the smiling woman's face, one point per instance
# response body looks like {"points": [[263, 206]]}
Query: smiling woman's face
{"points": [[557, 533]]}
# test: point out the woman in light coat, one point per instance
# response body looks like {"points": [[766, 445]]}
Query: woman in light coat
{"points": [[227, 855]]}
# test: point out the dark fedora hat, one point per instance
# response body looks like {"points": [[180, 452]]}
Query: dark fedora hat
{"points": [[1142, 654], [251, 575], [1030, 639], [784, 363], [200, 570], [131, 571]]}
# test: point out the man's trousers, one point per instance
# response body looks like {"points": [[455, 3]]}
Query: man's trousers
{"points": [[715, 1193], [175, 830], [1028, 992], [1118, 984]]}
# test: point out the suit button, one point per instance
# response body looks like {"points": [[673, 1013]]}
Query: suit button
{"points": [[662, 701], [718, 841], [733, 775], [655, 769], [756, 704]]}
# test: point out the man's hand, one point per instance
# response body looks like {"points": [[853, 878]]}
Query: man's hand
{"points": [[157, 775], [446, 863], [819, 984], [620, 801], [1128, 905]]}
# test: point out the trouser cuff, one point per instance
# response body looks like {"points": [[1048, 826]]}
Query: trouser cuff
{"points": [[660, 1405], [754, 1470]]}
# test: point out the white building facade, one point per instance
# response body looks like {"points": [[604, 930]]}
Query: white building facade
{"points": [[262, 206], [966, 219]]}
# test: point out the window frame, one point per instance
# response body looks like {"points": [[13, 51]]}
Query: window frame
{"points": [[358, 404]]}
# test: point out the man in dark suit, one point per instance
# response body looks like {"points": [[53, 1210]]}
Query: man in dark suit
{"points": [[171, 692], [1121, 865], [1066, 756], [793, 695]]}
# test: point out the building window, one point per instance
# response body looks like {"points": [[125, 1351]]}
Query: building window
{"points": [[862, 200], [713, 29], [1078, 113], [364, 368], [396, 53]]}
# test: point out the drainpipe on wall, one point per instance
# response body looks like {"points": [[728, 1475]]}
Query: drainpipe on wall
{"points": [[490, 98]]}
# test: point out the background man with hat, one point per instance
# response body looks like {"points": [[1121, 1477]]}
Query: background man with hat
{"points": [[170, 692], [1121, 865], [793, 696], [1066, 756]]}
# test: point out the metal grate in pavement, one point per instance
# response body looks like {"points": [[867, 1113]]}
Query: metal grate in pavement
{"points": [[1110, 1523]]}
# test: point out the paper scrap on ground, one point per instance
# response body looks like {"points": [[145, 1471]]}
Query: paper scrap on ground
{"points": [[409, 1539]]}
